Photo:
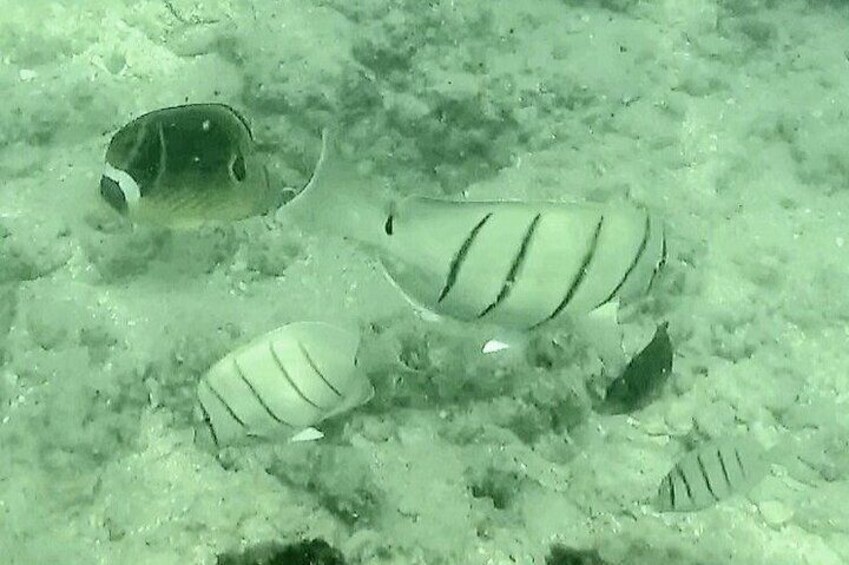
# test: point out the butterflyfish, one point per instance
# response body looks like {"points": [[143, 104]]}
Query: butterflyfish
{"points": [[186, 166]]}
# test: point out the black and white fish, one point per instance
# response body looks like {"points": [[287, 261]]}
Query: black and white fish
{"points": [[185, 166], [519, 264], [512, 264], [281, 384], [711, 473]]}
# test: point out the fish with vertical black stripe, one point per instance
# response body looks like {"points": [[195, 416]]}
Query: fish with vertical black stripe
{"points": [[512, 264], [711, 473], [281, 384], [520, 264], [186, 166]]}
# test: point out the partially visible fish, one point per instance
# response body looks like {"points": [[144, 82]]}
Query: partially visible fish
{"points": [[642, 379], [711, 473], [563, 555], [185, 166], [281, 384]]}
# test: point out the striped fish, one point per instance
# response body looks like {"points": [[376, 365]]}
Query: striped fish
{"points": [[520, 264], [512, 264], [282, 383], [712, 473]]}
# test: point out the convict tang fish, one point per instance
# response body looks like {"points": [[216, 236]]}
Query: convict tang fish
{"points": [[514, 264], [282, 383]]}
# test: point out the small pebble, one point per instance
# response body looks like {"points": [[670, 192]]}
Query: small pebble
{"points": [[679, 418]]}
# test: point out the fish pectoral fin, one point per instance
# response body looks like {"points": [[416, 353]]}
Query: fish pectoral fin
{"points": [[494, 346], [307, 434], [506, 345]]}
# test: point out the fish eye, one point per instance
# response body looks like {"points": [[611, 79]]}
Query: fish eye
{"points": [[238, 168], [388, 226]]}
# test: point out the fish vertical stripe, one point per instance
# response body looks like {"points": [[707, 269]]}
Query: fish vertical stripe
{"points": [[460, 256], [662, 262], [224, 403], [515, 267], [579, 276], [207, 419], [637, 256], [722, 466], [315, 368], [706, 477], [289, 379], [684, 480], [134, 151], [671, 484], [259, 399], [740, 462], [162, 163]]}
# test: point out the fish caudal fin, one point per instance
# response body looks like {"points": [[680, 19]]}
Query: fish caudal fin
{"points": [[339, 200]]}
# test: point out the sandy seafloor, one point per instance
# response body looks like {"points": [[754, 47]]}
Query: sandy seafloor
{"points": [[728, 118]]}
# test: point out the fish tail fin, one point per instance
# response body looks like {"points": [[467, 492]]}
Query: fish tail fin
{"points": [[339, 200]]}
